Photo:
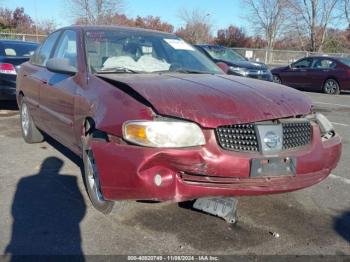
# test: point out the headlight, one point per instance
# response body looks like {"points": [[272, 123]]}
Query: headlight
{"points": [[170, 134], [239, 70]]}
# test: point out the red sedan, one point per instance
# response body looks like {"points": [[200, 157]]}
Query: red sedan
{"points": [[326, 74], [154, 119]]}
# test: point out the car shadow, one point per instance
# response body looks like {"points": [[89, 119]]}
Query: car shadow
{"points": [[342, 226], [47, 210]]}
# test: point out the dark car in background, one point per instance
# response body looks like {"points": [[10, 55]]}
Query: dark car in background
{"points": [[12, 55], [322, 73], [237, 64]]}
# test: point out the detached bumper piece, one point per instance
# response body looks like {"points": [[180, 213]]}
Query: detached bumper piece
{"points": [[225, 208]]}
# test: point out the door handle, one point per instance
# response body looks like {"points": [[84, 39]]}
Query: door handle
{"points": [[44, 82]]}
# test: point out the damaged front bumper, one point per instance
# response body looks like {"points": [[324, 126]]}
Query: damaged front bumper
{"points": [[129, 172]]}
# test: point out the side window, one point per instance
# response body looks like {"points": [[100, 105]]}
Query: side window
{"points": [[67, 47], [42, 54], [305, 63], [324, 64]]}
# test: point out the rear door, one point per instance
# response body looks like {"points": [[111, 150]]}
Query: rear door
{"points": [[297, 74], [57, 97], [321, 69], [33, 76]]}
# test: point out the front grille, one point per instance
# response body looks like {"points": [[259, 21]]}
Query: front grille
{"points": [[244, 138], [296, 134], [238, 137]]}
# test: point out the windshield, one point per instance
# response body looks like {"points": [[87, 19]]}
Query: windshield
{"points": [[131, 51], [345, 61], [15, 49], [224, 54]]}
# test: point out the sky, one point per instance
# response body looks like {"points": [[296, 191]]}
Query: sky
{"points": [[222, 12]]}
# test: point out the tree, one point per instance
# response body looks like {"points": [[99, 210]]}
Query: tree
{"points": [[94, 11], [5, 18], [197, 28], [153, 22], [267, 17], [233, 37], [311, 19], [20, 20]]}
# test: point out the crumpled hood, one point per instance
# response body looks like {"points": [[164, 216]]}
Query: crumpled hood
{"points": [[214, 100]]}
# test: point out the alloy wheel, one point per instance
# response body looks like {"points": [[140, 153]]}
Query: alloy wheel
{"points": [[277, 79], [331, 87], [93, 179], [25, 119]]}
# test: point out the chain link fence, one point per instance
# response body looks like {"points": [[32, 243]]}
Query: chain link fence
{"points": [[22, 37], [275, 58]]}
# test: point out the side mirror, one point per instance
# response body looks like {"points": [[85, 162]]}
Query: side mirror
{"points": [[224, 67], [61, 65]]}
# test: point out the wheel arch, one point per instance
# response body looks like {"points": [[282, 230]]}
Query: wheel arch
{"points": [[331, 77]]}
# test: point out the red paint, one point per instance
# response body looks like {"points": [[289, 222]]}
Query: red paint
{"points": [[128, 172], [61, 107]]}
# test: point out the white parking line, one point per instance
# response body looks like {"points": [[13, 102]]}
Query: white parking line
{"points": [[324, 103], [340, 124], [342, 179]]}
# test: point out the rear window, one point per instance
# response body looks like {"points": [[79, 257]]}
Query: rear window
{"points": [[345, 61], [17, 49]]}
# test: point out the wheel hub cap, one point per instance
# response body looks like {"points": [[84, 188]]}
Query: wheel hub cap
{"points": [[93, 181], [25, 119]]}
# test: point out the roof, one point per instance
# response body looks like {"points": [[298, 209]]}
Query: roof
{"points": [[114, 27], [325, 56], [211, 46], [17, 41]]}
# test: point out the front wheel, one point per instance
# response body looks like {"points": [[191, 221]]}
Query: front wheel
{"points": [[331, 87], [92, 183], [277, 79]]}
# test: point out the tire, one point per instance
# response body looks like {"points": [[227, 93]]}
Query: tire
{"points": [[331, 87], [92, 183], [31, 134], [277, 79]]}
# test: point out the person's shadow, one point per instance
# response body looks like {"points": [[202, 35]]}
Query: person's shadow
{"points": [[47, 209]]}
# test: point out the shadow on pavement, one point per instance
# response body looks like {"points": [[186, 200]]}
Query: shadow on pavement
{"points": [[47, 209], [342, 226]]}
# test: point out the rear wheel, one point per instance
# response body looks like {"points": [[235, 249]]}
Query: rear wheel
{"points": [[331, 87], [31, 134], [277, 79]]}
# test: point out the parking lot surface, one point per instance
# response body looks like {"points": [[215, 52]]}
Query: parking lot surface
{"points": [[44, 208]]}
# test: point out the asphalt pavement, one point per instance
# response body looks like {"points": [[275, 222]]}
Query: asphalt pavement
{"points": [[44, 208]]}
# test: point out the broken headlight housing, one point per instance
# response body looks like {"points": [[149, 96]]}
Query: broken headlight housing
{"points": [[326, 127], [167, 134]]}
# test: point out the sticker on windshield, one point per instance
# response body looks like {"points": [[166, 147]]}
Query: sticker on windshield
{"points": [[179, 44]]}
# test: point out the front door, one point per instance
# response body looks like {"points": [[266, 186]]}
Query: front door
{"points": [[58, 94]]}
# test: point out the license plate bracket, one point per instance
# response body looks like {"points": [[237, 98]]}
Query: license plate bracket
{"points": [[273, 167]]}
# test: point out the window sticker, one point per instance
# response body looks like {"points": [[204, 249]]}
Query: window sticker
{"points": [[179, 44]]}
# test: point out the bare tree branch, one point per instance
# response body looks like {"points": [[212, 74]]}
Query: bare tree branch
{"points": [[314, 16], [268, 17], [94, 11], [198, 26]]}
